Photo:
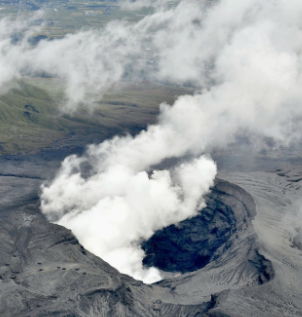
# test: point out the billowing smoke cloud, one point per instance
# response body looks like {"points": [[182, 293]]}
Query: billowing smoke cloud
{"points": [[185, 43], [243, 57], [179, 44], [90, 62], [247, 59], [120, 204]]}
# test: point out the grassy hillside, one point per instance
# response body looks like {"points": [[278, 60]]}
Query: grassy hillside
{"points": [[30, 115]]}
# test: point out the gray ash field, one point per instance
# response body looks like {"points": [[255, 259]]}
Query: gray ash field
{"points": [[252, 267]]}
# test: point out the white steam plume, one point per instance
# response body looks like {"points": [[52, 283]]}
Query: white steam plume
{"points": [[179, 44], [243, 57], [114, 209]]}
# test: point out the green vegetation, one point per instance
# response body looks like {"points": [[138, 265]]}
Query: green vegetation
{"points": [[31, 117]]}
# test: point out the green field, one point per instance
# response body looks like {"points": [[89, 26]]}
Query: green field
{"points": [[31, 117]]}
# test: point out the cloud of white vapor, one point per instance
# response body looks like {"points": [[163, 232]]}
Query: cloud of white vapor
{"points": [[111, 211], [243, 57], [88, 62], [185, 43], [10, 48]]}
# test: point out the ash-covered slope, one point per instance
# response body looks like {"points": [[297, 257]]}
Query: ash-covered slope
{"points": [[46, 272], [277, 193]]}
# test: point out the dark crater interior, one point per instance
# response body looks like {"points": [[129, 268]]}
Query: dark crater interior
{"points": [[195, 242]]}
